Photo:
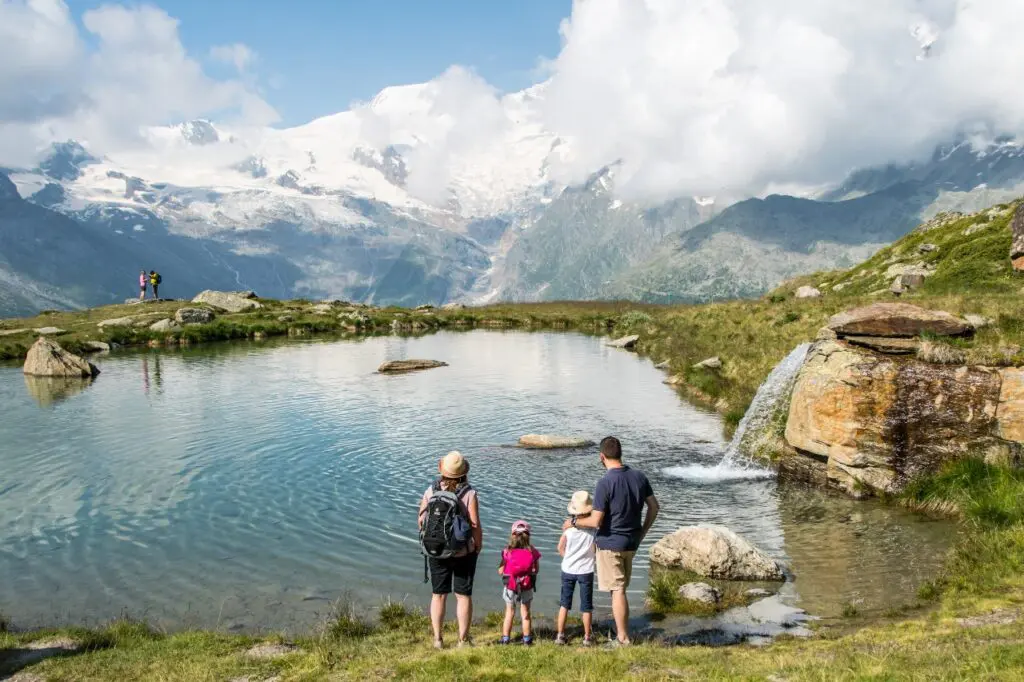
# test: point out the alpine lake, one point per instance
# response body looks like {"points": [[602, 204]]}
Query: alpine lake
{"points": [[254, 486]]}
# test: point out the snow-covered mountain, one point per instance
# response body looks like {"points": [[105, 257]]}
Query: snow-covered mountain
{"points": [[392, 202]]}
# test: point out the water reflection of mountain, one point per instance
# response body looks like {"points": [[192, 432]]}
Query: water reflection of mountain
{"points": [[49, 391], [844, 551]]}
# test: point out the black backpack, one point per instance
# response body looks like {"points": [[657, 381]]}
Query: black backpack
{"points": [[446, 528]]}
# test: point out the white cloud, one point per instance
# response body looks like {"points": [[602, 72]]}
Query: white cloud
{"points": [[712, 96], [138, 74], [239, 55]]}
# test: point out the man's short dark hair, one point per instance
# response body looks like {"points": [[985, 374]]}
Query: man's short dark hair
{"points": [[611, 447]]}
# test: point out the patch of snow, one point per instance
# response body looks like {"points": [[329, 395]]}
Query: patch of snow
{"points": [[138, 228], [616, 204]]}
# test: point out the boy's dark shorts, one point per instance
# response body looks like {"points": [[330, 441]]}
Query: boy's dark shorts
{"points": [[453, 575], [586, 583]]}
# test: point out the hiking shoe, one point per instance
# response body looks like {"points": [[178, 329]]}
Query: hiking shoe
{"points": [[527, 640], [438, 644], [560, 638], [587, 641], [505, 640]]}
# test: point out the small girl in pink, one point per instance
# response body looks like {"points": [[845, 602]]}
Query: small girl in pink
{"points": [[520, 562]]}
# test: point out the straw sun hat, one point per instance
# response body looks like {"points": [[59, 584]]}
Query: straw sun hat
{"points": [[581, 503], [453, 465]]}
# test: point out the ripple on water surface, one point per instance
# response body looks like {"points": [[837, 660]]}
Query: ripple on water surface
{"points": [[251, 485]]}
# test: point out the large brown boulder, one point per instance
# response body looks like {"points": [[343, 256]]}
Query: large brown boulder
{"points": [[874, 422], [1017, 230], [897, 320], [47, 359]]}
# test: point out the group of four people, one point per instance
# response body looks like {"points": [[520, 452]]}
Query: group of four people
{"points": [[602, 535]]}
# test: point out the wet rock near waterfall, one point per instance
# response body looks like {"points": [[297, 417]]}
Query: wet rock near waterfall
{"points": [[194, 316], [535, 441], [808, 292], [900, 320], [701, 593], [1017, 246], [715, 552], [866, 423], [626, 342], [46, 358], [402, 366]]}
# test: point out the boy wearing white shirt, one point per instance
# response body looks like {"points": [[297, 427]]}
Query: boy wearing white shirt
{"points": [[576, 546]]}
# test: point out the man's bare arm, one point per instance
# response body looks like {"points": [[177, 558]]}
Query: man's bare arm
{"points": [[593, 520], [652, 513]]}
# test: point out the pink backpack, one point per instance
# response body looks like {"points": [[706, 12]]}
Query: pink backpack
{"points": [[520, 567]]}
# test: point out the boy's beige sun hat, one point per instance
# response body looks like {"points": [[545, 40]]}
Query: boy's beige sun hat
{"points": [[453, 465], [581, 503]]}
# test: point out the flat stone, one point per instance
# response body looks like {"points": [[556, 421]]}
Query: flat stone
{"points": [[627, 342], [50, 331], [882, 344], [232, 302], [13, 332], [549, 442], [398, 366], [897, 320], [714, 363]]}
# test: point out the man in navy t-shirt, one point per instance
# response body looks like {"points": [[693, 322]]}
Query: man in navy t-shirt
{"points": [[621, 526]]}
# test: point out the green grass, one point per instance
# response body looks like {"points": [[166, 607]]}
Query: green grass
{"points": [[663, 594]]}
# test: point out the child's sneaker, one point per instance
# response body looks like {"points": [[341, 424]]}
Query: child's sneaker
{"points": [[505, 640], [587, 641], [560, 638], [527, 640]]}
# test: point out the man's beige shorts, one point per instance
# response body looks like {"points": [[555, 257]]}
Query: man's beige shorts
{"points": [[614, 569]]}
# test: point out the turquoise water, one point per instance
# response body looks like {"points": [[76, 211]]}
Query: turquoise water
{"points": [[251, 486]]}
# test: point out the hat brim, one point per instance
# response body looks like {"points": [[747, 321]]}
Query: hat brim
{"points": [[576, 511], [448, 473]]}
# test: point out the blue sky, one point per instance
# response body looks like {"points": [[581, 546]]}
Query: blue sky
{"points": [[323, 55]]}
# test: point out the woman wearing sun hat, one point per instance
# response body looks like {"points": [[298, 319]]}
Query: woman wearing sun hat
{"points": [[454, 574]]}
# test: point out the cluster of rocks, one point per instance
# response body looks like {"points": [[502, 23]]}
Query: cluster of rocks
{"points": [[863, 420]]}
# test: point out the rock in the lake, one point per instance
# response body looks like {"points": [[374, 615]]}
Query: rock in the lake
{"points": [[228, 301], [808, 292], [700, 592], [897, 320], [47, 359], [872, 423], [548, 442], [1017, 230], [882, 344], [715, 552], [193, 316], [627, 342], [95, 346], [714, 363], [399, 366], [50, 331], [165, 326]]}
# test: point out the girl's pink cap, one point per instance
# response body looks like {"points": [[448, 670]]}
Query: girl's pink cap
{"points": [[520, 527]]}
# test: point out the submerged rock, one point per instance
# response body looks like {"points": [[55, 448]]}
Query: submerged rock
{"points": [[228, 301], [715, 552], [549, 442], [897, 320], [700, 592], [193, 316], [627, 342], [47, 359], [398, 366]]}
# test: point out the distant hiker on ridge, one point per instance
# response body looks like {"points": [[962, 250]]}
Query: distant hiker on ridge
{"points": [[143, 281], [154, 281]]}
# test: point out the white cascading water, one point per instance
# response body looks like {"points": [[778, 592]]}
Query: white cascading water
{"points": [[735, 464]]}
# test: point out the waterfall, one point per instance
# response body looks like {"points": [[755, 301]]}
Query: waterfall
{"points": [[734, 463]]}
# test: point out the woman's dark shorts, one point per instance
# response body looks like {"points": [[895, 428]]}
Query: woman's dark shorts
{"points": [[453, 575], [586, 583]]}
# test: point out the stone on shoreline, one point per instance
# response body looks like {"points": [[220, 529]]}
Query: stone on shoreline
{"points": [[715, 552], [536, 441], [228, 301], [626, 342], [95, 346], [47, 359], [399, 366], [701, 593], [167, 325], [714, 363]]}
